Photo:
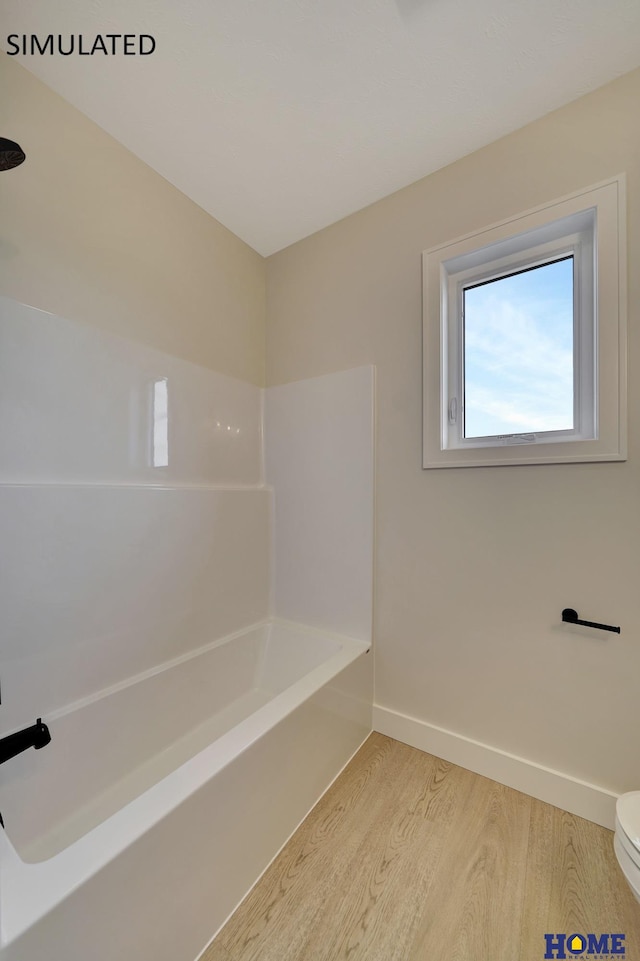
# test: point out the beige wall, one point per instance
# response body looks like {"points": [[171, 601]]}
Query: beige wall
{"points": [[475, 565], [90, 232]]}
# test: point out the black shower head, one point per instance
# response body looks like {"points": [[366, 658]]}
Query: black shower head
{"points": [[11, 154]]}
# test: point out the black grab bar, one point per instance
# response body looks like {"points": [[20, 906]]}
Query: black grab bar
{"points": [[37, 736], [571, 617]]}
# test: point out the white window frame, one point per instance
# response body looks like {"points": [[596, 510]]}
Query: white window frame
{"points": [[590, 227]]}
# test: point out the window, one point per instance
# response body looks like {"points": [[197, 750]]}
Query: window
{"points": [[524, 338], [518, 370]]}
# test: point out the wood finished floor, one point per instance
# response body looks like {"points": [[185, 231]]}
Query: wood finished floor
{"points": [[410, 858]]}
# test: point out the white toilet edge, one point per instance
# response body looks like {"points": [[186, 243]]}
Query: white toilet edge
{"points": [[630, 846], [629, 868]]}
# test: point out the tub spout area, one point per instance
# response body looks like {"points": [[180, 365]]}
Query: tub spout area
{"points": [[36, 736]]}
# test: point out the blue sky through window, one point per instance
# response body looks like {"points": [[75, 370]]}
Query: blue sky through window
{"points": [[518, 352]]}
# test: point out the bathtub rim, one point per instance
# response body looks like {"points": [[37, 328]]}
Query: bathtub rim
{"points": [[269, 622], [30, 890]]}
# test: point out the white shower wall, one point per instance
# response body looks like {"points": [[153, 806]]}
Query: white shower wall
{"points": [[77, 406], [109, 565], [319, 459], [100, 583]]}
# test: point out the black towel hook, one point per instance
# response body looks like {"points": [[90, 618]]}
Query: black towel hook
{"points": [[571, 617]]}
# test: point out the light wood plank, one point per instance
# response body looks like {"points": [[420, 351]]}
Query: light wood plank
{"points": [[410, 858], [301, 879], [574, 884], [215, 952], [474, 907], [396, 863]]}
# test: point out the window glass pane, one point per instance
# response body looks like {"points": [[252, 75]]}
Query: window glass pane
{"points": [[518, 352]]}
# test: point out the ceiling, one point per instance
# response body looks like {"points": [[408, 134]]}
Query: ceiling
{"points": [[279, 117]]}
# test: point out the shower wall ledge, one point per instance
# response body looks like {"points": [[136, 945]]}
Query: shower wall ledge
{"points": [[120, 485]]}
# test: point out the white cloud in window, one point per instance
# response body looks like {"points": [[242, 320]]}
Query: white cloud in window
{"points": [[519, 353]]}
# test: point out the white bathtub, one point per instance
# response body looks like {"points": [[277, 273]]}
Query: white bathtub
{"points": [[158, 803]]}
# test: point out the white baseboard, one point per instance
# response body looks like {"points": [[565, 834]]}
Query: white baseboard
{"points": [[578, 797]]}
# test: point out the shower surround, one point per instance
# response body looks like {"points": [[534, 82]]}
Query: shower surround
{"points": [[139, 529]]}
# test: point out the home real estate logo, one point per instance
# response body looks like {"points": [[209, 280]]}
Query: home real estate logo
{"points": [[592, 946]]}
